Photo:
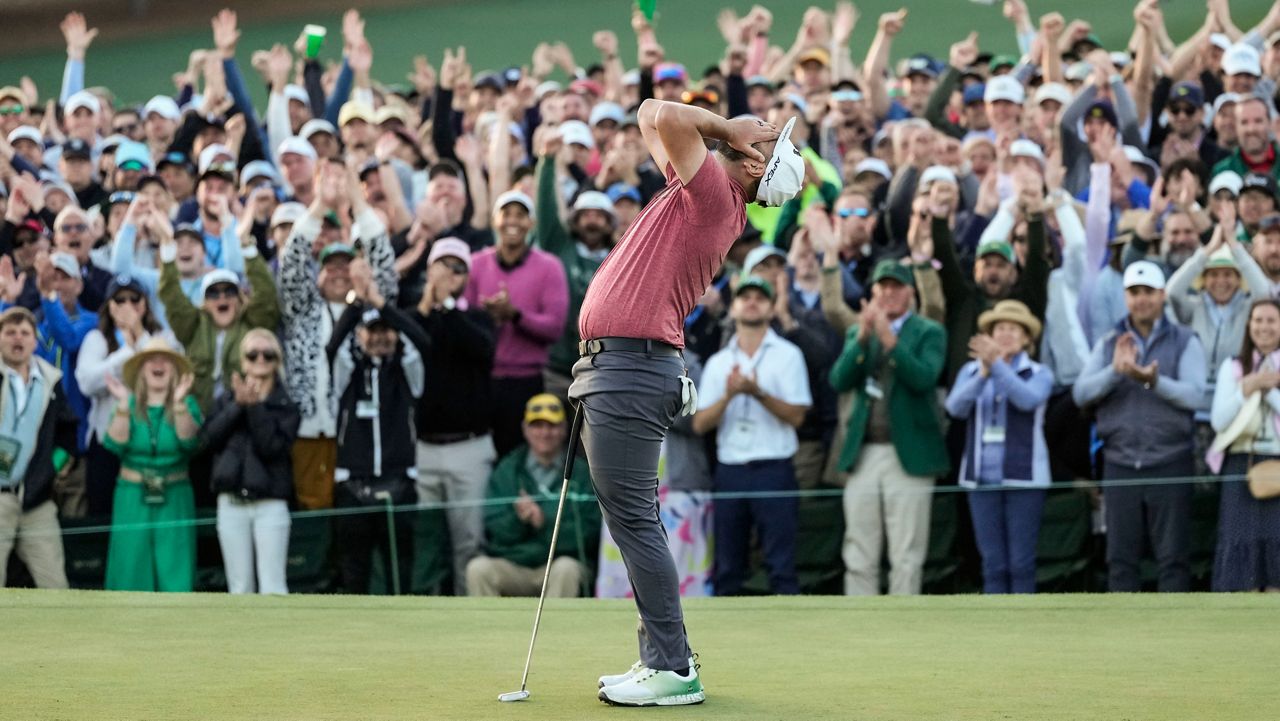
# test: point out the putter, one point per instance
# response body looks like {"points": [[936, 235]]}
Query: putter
{"points": [[574, 432]]}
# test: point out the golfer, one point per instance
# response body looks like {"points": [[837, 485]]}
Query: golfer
{"points": [[630, 383]]}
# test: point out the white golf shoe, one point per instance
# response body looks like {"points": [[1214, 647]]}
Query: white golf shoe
{"points": [[651, 687], [616, 679]]}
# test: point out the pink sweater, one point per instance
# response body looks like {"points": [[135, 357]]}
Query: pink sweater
{"points": [[539, 290]]}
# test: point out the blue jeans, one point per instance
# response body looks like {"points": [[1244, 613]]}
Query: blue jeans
{"points": [[1006, 523], [776, 520]]}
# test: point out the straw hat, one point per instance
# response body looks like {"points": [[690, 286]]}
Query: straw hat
{"points": [[1220, 258], [1012, 311], [154, 347]]}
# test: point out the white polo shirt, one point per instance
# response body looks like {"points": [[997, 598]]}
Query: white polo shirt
{"points": [[748, 431]]}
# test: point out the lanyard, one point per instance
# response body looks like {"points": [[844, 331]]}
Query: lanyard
{"points": [[19, 408]]}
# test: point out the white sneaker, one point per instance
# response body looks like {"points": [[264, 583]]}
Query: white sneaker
{"points": [[616, 679], [651, 687]]}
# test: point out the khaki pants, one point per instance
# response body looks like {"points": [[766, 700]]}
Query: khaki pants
{"points": [[810, 459], [458, 474], [313, 462], [488, 576], [881, 500], [37, 538]]}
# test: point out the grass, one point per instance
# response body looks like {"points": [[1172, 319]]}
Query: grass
{"points": [[103, 656]]}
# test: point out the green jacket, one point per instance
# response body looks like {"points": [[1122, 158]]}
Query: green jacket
{"points": [[194, 328], [917, 362], [1235, 163], [517, 541], [551, 236]]}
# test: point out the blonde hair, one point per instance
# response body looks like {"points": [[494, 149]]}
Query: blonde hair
{"points": [[271, 340], [140, 391]]}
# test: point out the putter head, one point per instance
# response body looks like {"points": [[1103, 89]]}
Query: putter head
{"points": [[520, 695]]}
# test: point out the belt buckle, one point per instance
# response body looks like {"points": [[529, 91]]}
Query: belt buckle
{"points": [[589, 347]]}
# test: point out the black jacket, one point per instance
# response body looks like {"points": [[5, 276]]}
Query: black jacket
{"points": [[382, 446], [57, 430], [459, 367], [250, 446]]}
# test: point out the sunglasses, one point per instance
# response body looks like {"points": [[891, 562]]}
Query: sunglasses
{"points": [[15, 109], [706, 96], [125, 128], [859, 212], [129, 298], [74, 227], [1186, 110], [457, 266], [269, 356], [218, 292]]}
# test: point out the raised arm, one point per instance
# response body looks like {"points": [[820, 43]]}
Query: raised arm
{"points": [[674, 134], [877, 62]]}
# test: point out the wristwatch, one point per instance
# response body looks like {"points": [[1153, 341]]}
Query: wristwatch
{"points": [[449, 303]]}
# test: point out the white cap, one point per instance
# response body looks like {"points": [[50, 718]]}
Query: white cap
{"points": [[1023, 148], [576, 132], [222, 275], [784, 173], [873, 165], [210, 152], [26, 132], [1004, 87], [1241, 59], [298, 146], [317, 125], [66, 263], [593, 200], [1225, 99], [1220, 40], [255, 169], [1121, 60], [1144, 273], [631, 77], [1053, 91], [513, 196], [1135, 155], [1078, 71], [607, 111], [1226, 180], [935, 173], [82, 99], [287, 213], [296, 92], [164, 106], [547, 86], [760, 254]]}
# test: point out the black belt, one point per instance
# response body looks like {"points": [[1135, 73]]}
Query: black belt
{"points": [[633, 345], [444, 439]]}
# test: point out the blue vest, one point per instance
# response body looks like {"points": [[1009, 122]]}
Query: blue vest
{"points": [[1019, 440], [1137, 426]]}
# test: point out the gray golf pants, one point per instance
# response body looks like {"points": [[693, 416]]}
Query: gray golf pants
{"points": [[629, 401]]}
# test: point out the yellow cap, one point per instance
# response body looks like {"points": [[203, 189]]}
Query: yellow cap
{"points": [[544, 407]]}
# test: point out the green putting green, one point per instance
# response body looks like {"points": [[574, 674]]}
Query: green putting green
{"points": [[93, 655]]}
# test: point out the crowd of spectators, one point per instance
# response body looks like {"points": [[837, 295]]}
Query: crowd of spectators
{"points": [[1005, 271]]}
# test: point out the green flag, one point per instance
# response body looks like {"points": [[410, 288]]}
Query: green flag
{"points": [[647, 7]]}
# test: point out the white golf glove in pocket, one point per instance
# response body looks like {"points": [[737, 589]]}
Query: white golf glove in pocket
{"points": [[688, 396]]}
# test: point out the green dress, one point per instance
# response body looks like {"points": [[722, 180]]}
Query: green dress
{"points": [[153, 546]]}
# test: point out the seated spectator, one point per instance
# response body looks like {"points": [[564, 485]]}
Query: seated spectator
{"points": [[1246, 406], [153, 430], [248, 436], [1001, 395], [519, 533], [41, 424]]}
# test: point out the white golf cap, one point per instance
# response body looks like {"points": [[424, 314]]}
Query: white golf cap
{"points": [[593, 200], [66, 263], [317, 125], [545, 87], [513, 196], [1023, 148], [1144, 273], [287, 213], [1004, 87], [1220, 40], [1241, 59], [1135, 155], [873, 165], [164, 106], [1121, 60], [26, 132], [784, 173], [297, 92], [82, 99], [576, 132], [1226, 180], [607, 111], [935, 173], [1078, 71], [1053, 91], [631, 77], [211, 153], [298, 146], [760, 254], [222, 275], [257, 170]]}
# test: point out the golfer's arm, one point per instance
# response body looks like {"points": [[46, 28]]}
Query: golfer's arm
{"points": [[709, 418], [674, 132]]}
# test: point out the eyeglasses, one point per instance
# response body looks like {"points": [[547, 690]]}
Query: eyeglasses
{"points": [[123, 298], [74, 227], [1180, 109], [218, 292], [457, 266], [125, 128], [859, 212], [15, 109], [269, 356]]}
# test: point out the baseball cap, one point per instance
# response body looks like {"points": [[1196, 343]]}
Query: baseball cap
{"points": [[935, 173], [119, 283], [594, 200], [514, 196], [784, 173], [82, 99], [550, 86], [1220, 40], [133, 153], [188, 229], [890, 269], [26, 132], [176, 158], [760, 254], [491, 81], [333, 249], [162, 105], [298, 93], [1004, 87], [1078, 72], [120, 196], [1187, 92], [1226, 180], [211, 153], [287, 213], [1145, 274], [873, 165], [1269, 222], [607, 111], [1023, 148], [920, 66], [371, 317], [675, 72], [1053, 91], [15, 92], [76, 148], [585, 86], [111, 142], [544, 407], [996, 247], [576, 132], [220, 276], [1121, 60], [450, 248], [1258, 183], [297, 145], [388, 113], [846, 96], [754, 281], [759, 81], [317, 125], [814, 55], [354, 110], [1225, 99], [975, 93], [1104, 110], [66, 263], [619, 191], [1241, 59], [1002, 61], [150, 178], [258, 170]]}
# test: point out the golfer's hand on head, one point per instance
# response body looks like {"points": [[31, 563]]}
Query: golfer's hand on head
{"points": [[744, 132]]}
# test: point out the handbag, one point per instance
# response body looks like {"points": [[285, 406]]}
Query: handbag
{"points": [[1264, 480]]}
